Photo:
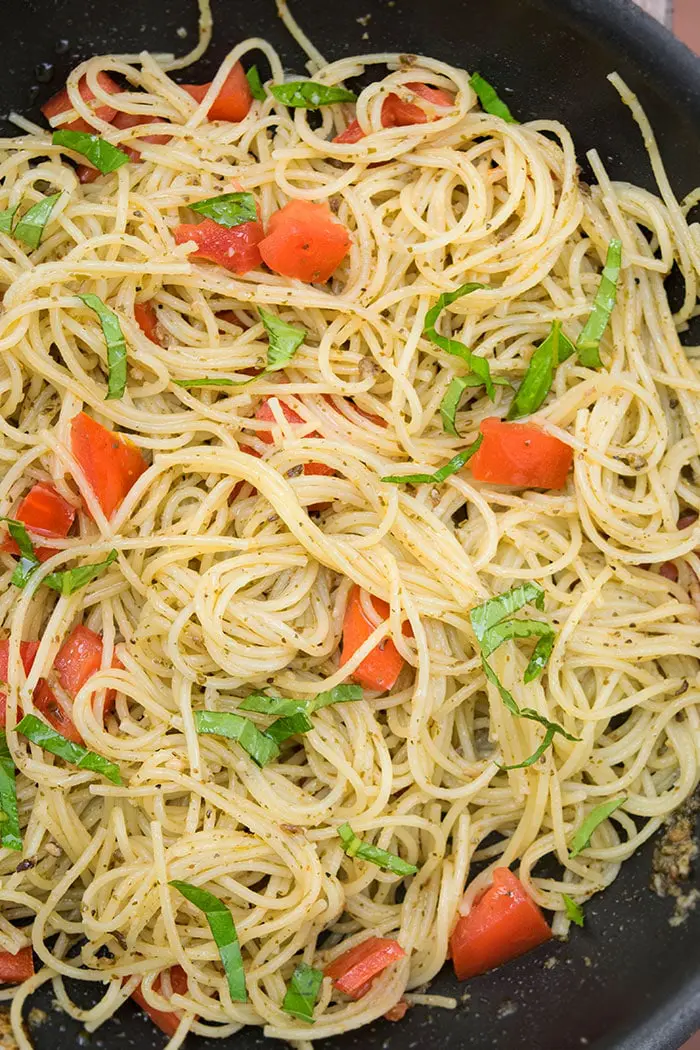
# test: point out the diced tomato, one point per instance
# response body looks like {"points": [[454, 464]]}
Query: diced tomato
{"points": [[147, 320], [78, 659], [503, 924], [520, 454], [353, 970], [353, 133], [167, 1022], [16, 968], [45, 512], [87, 174], [122, 121], [60, 103], [305, 241], [437, 96], [380, 669], [110, 463], [266, 414], [236, 248], [47, 704], [234, 98], [397, 1012], [27, 653], [399, 114]]}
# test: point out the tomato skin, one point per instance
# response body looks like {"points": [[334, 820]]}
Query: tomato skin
{"points": [[147, 320], [437, 96], [47, 704], [520, 454], [45, 512], [504, 923], [234, 98], [399, 114], [78, 659], [60, 102], [353, 971], [266, 414], [167, 1022], [304, 241], [353, 133], [110, 463], [380, 669], [16, 968], [237, 248], [397, 1012]]}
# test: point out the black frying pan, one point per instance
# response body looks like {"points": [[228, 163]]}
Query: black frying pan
{"points": [[628, 981]]}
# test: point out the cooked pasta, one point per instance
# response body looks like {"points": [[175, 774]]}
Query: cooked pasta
{"points": [[249, 521]]}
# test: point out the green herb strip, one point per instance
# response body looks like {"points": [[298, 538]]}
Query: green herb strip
{"points": [[6, 218], [28, 562], [455, 464], [30, 228], [490, 99], [539, 376], [307, 94], [255, 84], [588, 343], [223, 930], [583, 836], [116, 346], [574, 911], [261, 748], [355, 847], [453, 397], [228, 209], [478, 365], [10, 834], [493, 625], [42, 734], [100, 153], [302, 992], [69, 581]]}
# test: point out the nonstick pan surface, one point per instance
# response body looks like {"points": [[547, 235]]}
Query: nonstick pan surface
{"points": [[628, 981]]}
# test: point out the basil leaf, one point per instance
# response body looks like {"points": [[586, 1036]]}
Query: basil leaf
{"points": [[339, 694], [208, 381], [455, 464], [588, 343], [302, 992], [10, 834], [30, 227], [538, 378], [116, 347], [42, 734], [255, 84], [307, 94], [490, 100], [228, 209], [68, 581], [451, 401], [290, 725], [101, 154], [277, 705], [261, 748], [284, 338], [574, 911], [6, 218], [482, 617], [583, 836], [479, 365], [28, 561], [509, 630], [223, 930], [355, 847]]}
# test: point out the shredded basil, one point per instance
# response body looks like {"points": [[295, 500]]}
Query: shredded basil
{"points": [[10, 834], [255, 84], [455, 464], [493, 625], [261, 748], [355, 847], [28, 562], [588, 343], [478, 365], [223, 930], [538, 378], [208, 381], [228, 209], [290, 725], [583, 836], [68, 581], [6, 218], [42, 734], [116, 346], [277, 705], [302, 992], [100, 153], [30, 228], [574, 911], [307, 94], [490, 100], [453, 397]]}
